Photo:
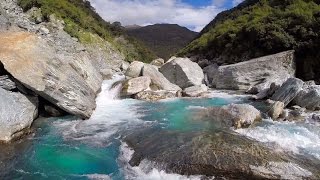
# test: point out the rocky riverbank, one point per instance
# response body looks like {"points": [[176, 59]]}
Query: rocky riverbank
{"points": [[45, 69]]}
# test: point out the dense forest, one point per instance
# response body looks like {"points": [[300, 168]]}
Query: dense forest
{"points": [[80, 17], [163, 39], [261, 27]]}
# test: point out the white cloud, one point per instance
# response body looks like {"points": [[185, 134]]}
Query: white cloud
{"points": [[236, 2], [143, 12]]}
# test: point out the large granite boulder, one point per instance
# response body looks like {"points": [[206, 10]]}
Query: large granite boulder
{"points": [[235, 115], [183, 72], [159, 82], [308, 97], [260, 72], [135, 85], [288, 91], [17, 113], [135, 69], [69, 82], [221, 154]]}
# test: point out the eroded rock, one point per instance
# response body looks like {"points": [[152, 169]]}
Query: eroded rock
{"points": [[288, 91], [135, 85], [183, 72], [159, 82], [154, 95], [17, 114], [260, 72], [69, 82], [195, 91]]}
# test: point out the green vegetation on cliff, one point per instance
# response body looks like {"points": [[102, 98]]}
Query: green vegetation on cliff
{"points": [[163, 39], [260, 27], [80, 17]]}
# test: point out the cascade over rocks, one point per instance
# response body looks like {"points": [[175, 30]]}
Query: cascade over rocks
{"points": [[17, 113], [183, 72], [259, 72], [288, 91], [70, 83]]}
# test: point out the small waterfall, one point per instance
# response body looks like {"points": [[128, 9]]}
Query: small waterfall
{"points": [[110, 117]]}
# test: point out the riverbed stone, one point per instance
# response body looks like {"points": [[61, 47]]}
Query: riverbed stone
{"points": [[154, 95], [135, 85], [276, 110], [195, 91], [17, 113], [183, 72], [235, 115], [309, 97], [158, 80], [288, 91], [222, 154]]}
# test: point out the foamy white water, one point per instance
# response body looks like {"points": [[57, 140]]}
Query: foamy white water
{"points": [[111, 116], [299, 138]]}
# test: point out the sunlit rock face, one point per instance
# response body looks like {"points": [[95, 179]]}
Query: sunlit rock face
{"points": [[69, 82]]}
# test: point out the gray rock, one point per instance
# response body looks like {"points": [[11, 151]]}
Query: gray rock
{"points": [[309, 97], [4, 23], [260, 72], [195, 91], [157, 62], [135, 85], [288, 91], [6, 83], [236, 115], [124, 66], [154, 95], [69, 82], [17, 114], [183, 72], [276, 110], [107, 73], [211, 72], [159, 82], [135, 69], [221, 154], [44, 31]]}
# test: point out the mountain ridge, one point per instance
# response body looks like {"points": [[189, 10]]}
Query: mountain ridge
{"points": [[164, 39]]}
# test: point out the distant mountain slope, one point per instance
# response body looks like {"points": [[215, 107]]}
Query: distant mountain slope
{"points": [[81, 19], [164, 39], [260, 27]]}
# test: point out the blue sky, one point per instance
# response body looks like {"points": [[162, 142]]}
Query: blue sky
{"points": [[193, 14]]}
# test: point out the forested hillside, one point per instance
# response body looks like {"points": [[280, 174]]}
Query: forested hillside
{"points": [[163, 39], [81, 19], [260, 27]]}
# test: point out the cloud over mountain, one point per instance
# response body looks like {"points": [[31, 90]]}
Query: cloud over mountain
{"points": [[144, 12]]}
